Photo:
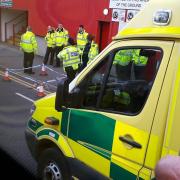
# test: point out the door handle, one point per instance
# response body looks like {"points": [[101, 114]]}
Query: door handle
{"points": [[130, 142]]}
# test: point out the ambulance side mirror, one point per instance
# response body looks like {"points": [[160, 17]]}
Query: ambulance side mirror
{"points": [[61, 95]]}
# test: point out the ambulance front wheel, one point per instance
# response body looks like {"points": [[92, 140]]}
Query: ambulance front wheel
{"points": [[52, 165]]}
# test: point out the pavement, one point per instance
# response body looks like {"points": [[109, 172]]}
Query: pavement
{"points": [[12, 58], [15, 109], [14, 113]]}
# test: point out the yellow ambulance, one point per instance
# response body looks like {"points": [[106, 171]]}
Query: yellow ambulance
{"points": [[120, 115]]}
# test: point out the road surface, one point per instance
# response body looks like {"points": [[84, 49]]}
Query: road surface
{"points": [[16, 98]]}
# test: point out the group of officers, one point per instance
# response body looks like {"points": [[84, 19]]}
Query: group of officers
{"points": [[73, 55], [61, 47]]}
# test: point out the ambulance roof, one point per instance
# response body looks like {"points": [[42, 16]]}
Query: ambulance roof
{"points": [[143, 24]]}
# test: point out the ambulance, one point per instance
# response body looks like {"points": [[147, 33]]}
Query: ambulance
{"points": [[115, 120]]}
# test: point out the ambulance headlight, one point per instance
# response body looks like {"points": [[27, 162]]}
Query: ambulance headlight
{"points": [[162, 17], [33, 108]]}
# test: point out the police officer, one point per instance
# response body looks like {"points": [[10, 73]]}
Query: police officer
{"points": [[93, 52], [61, 38], [89, 52], [28, 45], [70, 58], [127, 63], [50, 41], [122, 62], [81, 39], [139, 63]]}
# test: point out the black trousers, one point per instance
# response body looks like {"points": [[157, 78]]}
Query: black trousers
{"points": [[85, 60], [71, 73], [49, 52], [57, 50], [28, 61]]}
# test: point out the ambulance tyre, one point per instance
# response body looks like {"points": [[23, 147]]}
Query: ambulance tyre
{"points": [[52, 165]]}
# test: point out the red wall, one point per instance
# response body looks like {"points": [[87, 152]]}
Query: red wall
{"points": [[70, 13], [20, 4]]}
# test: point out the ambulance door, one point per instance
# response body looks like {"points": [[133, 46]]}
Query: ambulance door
{"points": [[134, 105], [118, 99]]}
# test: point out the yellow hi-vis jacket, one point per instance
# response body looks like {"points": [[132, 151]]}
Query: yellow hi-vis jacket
{"points": [[81, 41], [93, 52], [138, 59], [123, 57], [61, 38], [70, 57], [50, 39], [28, 42]]}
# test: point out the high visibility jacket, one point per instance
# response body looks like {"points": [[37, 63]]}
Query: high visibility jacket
{"points": [[93, 52], [81, 41], [70, 57], [123, 57], [61, 38], [50, 39], [123, 98], [139, 60], [28, 42]]}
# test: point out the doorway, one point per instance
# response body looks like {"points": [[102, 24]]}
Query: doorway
{"points": [[13, 24], [104, 29]]}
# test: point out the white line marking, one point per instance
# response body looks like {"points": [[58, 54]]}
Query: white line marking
{"points": [[25, 97]]}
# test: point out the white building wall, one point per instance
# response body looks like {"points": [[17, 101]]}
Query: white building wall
{"points": [[7, 15], [41, 46]]}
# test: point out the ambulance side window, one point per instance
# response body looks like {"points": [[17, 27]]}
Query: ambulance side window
{"points": [[130, 79], [92, 84]]}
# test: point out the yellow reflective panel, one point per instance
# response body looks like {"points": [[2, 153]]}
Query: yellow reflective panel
{"points": [[150, 31], [64, 146], [145, 174], [171, 143], [153, 151], [123, 169], [122, 149], [172, 152], [89, 157], [42, 112]]}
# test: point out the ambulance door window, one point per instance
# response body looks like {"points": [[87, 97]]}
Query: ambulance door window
{"points": [[92, 84], [130, 80]]}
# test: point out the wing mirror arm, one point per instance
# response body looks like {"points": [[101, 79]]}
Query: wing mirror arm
{"points": [[61, 95]]}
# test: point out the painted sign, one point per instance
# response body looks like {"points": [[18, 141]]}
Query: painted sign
{"points": [[118, 15], [127, 4], [122, 15], [115, 15], [131, 14], [6, 3]]}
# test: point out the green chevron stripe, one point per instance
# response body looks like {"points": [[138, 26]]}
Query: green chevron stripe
{"points": [[97, 150], [34, 124], [48, 132]]}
